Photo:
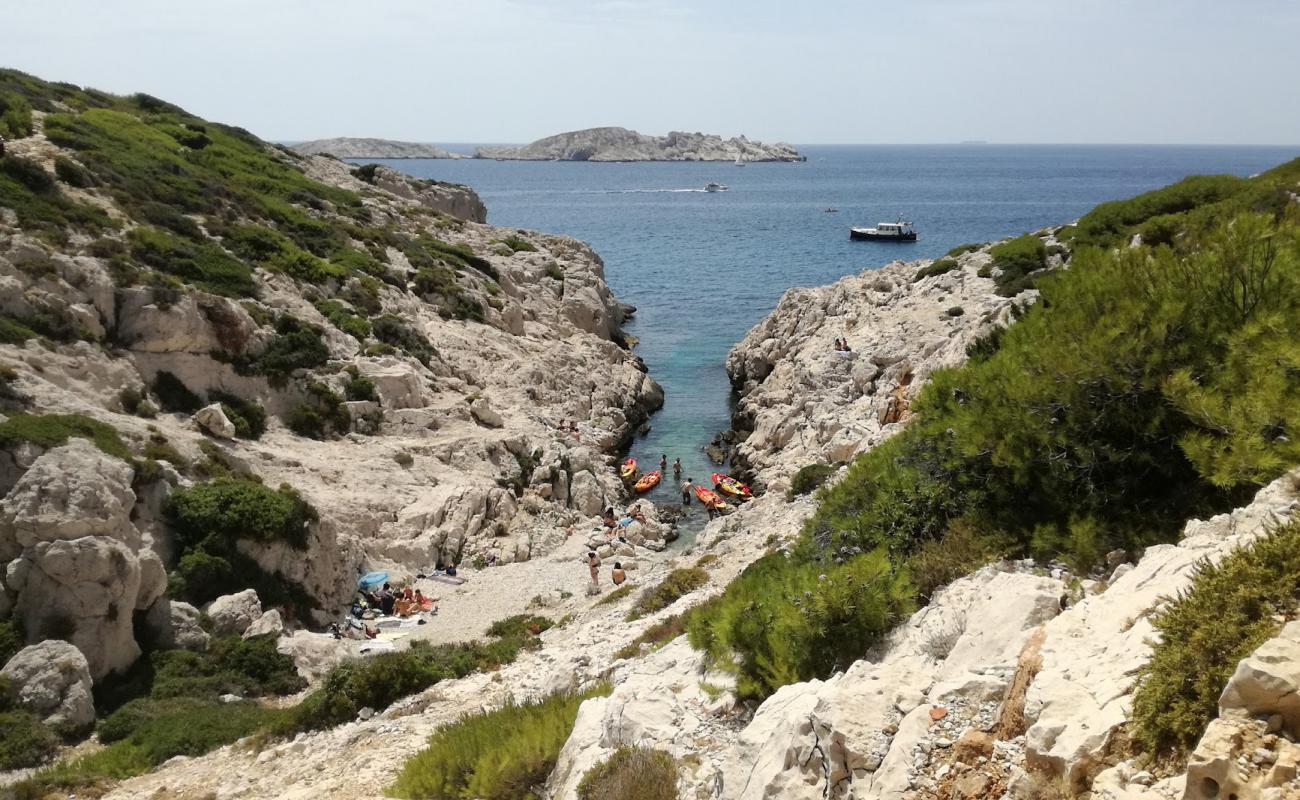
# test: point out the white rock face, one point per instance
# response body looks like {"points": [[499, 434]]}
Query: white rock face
{"points": [[213, 421], [52, 679], [77, 565], [1268, 682], [269, 624], [360, 147], [804, 402], [175, 625], [234, 613]]}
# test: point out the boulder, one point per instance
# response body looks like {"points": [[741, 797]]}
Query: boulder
{"points": [[314, 654], [586, 494], [234, 613], [52, 679], [1268, 681], [213, 421], [269, 624], [174, 625], [483, 412]]}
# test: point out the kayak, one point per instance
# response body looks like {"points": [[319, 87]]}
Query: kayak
{"points": [[628, 470], [649, 481], [730, 485], [706, 496]]}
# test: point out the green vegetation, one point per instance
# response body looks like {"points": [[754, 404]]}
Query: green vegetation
{"points": [[320, 415], [506, 754], [72, 173], [1108, 223], [679, 582], [344, 318], [1147, 385], [939, 267], [808, 478], [391, 330], [1016, 260], [381, 680], [616, 595], [53, 430], [520, 626], [657, 635], [25, 741], [201, 263], [358, 386], [781, 622], [248, 417], [174, 395], [11, 639], [15, 116], [296, 345], [962, 249], [1230, 609], [631, 773], [519, 245], [40, 206]]}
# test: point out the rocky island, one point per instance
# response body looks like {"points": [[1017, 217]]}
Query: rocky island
{"points": [[346, 147], [621, 144]]}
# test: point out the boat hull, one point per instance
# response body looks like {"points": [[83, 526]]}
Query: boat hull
{"points": [[858, 235], [650, 481], [730, 485], [706, 496]]}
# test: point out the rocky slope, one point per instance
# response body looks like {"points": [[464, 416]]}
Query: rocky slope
{"points": [[349, 147], [422, 425], [621, 144]]}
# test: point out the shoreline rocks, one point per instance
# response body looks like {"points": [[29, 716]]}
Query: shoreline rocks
{"points": [[354, 147]]}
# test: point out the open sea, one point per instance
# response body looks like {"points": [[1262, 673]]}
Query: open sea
{"points": [[703, 268]]}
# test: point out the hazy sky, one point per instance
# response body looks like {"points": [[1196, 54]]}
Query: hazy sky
{"points": [[1162, 71]]}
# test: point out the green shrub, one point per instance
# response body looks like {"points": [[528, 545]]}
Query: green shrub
{"points": [[392, 330], [1016, 259], [14, 332], [11, 640], [344, 318], [404, 459], [1227, 612], [962, 249], [25, 741], [506, 754], [1108, 223], [203, 264], [232, 508], [366, 172], [320, 415], [173, 395], [520, 626], [940, 267], [939, 562], [159, 449], [783, 621], [15, 116], [358, 386], [554, 272], [519, 245], [296, 345], [72, 173], [616, 595], [808, 478], [53, 430], [679, 582], [28, 173], [631, 773], [45, 210], [657, 635], [955, 311]]}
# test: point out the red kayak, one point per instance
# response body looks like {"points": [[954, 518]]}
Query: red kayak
{"points": [[707, 496], [649, 481], [730, 485]]}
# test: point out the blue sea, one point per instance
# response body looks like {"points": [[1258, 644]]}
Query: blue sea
{"points": [[703, 268]]}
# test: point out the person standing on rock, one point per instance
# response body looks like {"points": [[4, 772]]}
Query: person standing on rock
{"points": [[593, 563], [686, 492]]}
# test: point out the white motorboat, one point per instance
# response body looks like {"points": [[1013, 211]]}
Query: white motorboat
{"points": [[900, 231]]}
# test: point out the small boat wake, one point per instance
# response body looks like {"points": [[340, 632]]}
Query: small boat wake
{"points": [[652, 191]]}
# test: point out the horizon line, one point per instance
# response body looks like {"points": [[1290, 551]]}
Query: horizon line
{"points": [[962, 143]]}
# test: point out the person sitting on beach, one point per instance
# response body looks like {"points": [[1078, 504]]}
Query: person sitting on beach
{"points": [[838, 345], [387, 600], [618, 575], [636, 513], [847, 349], [424, 603], [608, 519]]}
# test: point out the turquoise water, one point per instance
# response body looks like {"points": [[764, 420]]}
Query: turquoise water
{"points": [[703, 268]]}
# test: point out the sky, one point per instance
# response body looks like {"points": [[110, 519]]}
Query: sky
{"points": [[835, 71]]}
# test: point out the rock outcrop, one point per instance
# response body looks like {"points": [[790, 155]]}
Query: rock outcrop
{"points": [[350, 147], [78, 569], [235, 613], [52, 680], [621, 144]]}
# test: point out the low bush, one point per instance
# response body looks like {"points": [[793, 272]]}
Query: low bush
{"points": [[940, 267], [939, 562], [53, 430], [358, 386], [25, 741], [344, 318], [1110, 222], [173, 395], [1016, 260], [955, 311], [505, 754], [520, 626], [28, 173], [203, 264], [631, 773], [808, 478], [1230, 609], [15, 116], [679, 582], [11, 639], [14, 332], [616, 595], [657, 635], [519, 245], [391, 330], [962, 249], [321, 415], [782, 622], [72, 173], [296, 345], [234, 508]]}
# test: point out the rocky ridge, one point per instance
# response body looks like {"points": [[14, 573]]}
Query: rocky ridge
{"points": [[621, 144], [351, 147]]}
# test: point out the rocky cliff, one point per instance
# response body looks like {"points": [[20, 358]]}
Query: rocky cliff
{"points": [[347, 147], [621, 144]]}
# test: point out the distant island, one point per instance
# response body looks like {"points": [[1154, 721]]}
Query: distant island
{"points": [[621, 144], [372, 148]]}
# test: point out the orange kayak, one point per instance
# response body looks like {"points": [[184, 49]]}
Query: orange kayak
{"points": [[707, 496], [648, 482], [628, 470], [730, 485]]}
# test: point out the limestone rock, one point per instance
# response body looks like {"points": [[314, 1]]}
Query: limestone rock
{"points": [[174, 625], [482, 411], [234, 613], [269, 624], [213, 421], [1268, 681], [621, 144], [313, 654], [52, 679], [350, 147]]}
